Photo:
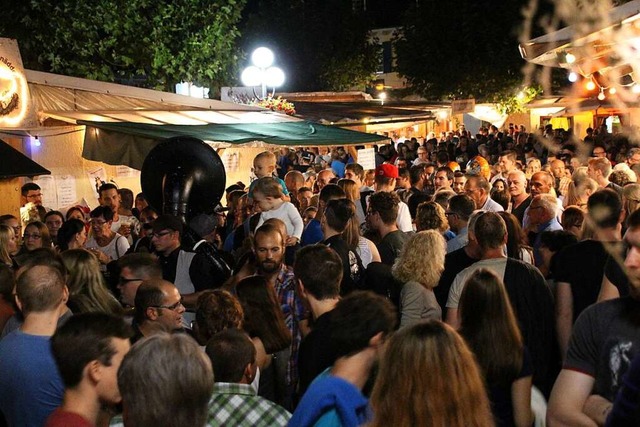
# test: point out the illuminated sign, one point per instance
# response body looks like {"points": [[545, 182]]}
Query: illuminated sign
{"points": [[14, 91]]}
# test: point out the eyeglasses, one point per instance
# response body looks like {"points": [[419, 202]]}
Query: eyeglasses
{"points": [[34, 196], [161, 234], [32, 236], [172, 307], [124, 281], [98, 222]]}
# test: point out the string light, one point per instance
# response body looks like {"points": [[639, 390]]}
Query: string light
{"points": [[612, 91], [573, 77], [590, 85], [601, 95]]}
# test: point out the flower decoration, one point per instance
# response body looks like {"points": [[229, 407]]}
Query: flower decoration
{"points": [[278, 105]]}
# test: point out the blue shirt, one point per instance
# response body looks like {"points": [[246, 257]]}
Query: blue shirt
{"points": [[331, 401], [30, 385]]}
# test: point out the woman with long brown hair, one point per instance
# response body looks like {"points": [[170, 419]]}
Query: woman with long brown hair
{"points": [[434, 370], [516, 239], [264, 322], [87, 289], [490, 328], [36, 235]]}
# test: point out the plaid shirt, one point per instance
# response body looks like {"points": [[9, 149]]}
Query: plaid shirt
{"points": [[293, 311], [237, 405]]}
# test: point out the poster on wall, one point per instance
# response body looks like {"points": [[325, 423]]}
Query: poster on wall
{"points": [[47, 184], [96, 177], [127, 172], [231, 161], [66, 190], [367, 158]]}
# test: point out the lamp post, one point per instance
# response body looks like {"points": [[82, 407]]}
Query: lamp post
{"points": [[261, 73]]}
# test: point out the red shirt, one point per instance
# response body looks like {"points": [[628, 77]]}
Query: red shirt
{"points": [[61, 418]]}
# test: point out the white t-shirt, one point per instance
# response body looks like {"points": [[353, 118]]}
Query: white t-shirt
{"points": [[288, 214], [404, 218], [497, 265], [114, 249]]}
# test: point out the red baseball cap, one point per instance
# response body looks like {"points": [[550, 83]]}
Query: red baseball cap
{"points": [[387, 170]]}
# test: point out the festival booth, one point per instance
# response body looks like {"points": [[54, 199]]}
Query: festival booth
{"points": [[85, 131], [601, 53]]}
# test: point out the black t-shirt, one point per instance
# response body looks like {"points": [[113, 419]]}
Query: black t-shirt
{"points": [[582, 266], [352, 270], [454, 263], [316, 352], [391, 245], [519, 211], [614, 272]]}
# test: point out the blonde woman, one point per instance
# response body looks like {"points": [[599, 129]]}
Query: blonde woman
{"points": [[8, 245], [533, 166], [418, 268], [87, 289], [441, 381]]}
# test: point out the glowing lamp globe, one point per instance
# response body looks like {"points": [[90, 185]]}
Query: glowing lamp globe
{"points": [[274, 77], [262, 57], [251, 76]]}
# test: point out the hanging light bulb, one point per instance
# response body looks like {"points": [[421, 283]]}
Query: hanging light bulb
{"points": [[612, 91], [601, 95], [573, 77], [570, 58], [635, 88], [590, 84]]}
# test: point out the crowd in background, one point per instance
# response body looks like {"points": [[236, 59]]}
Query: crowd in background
{"points": [[466, 280]]}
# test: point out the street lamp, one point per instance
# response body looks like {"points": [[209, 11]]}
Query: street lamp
{"points": [[261, 73]]}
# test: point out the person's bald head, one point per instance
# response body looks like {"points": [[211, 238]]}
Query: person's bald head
{"points": [[516, 183], [324, 177], [541, 183], [558, 168], [294, 180]]}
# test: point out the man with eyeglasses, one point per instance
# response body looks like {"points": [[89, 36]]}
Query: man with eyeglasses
{"points": [[158, 309], [189, 271], [460, 209], [134, 269], [31, 203]]}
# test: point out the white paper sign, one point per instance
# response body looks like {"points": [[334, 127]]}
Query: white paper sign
{"points": [[231, 161], [127, 172], [49, 195], [66, 189], [367, 158]]}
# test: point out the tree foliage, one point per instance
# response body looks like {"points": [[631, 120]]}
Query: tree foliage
{"points": [[461, 48], [321, 44], [154, 43]]}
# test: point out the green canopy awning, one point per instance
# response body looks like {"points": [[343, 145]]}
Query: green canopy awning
{"points": [[125, 143]]}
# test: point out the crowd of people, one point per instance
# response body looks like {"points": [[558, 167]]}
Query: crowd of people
{"points": [[467, 280]]}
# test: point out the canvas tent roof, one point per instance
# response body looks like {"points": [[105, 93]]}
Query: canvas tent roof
{"points": [[124, 123]]}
